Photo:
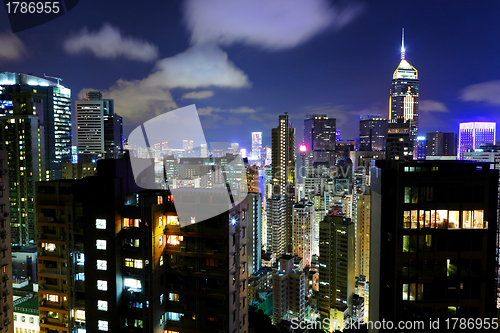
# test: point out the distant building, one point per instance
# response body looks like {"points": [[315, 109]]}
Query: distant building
{"points": [[399, 143], [24, 263], [372, 132], [303, 230], [472, 135], [336, 265], [320, 138], [441, 144], [420, 148], [99, 130], [289, 291]]}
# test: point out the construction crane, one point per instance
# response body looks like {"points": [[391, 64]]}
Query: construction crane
{"points": [[52, 77]]}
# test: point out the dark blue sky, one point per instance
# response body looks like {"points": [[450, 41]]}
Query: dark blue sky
{"points": [[252, 61]]}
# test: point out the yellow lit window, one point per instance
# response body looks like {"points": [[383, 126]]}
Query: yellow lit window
{"points": [[172, 220], [52, 298], [160, 199], [174, 239], [129, 262], [131, 223]]}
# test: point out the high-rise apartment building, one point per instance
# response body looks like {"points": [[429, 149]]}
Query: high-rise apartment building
{"points": [[256, 143], [6, 305], [363, 216], [433, 241], [320, 138], [289, 291], [98, 129], [276, 228], [303, 230], [472, 135], [118, 260], [283, 170], [22, 135], [441, 144], [372, 132], [336, 265], [54, 115]]}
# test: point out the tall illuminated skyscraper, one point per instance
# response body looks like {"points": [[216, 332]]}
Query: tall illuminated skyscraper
{"points": [[283, 168], [472, 135], [54, 115], [404, 95]]}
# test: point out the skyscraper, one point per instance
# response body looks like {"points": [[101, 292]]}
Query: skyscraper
{"points": [[404, 93], [98, 129], [399, 142], [372, 132], [303, 230], [6, 304], [472, 135], [54, 115], [433, 241], [283, 169], [441, 144], [320, 138], [256, 144], [22, 133]]}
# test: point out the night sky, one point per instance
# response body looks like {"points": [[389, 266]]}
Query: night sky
{"points": [[245, 62]]}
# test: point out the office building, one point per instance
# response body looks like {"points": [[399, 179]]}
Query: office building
{"points": [[25, 312], [303, 230], [441, 144], [256, 145], [472, 135], [433, 241], [372, 132], [320, 138], [399, 142], [80, 166], [404, 93], [99, 130], [289, 291], [6, 301], [22, 135], [420, 149], [283, 170], [54, 114], [336, 265], [24, 264]]}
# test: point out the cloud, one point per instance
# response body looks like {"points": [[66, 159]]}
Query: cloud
{"points": [[432, 106], [211, 110], [198, 94], [199, 66], [488, 92], [12, 48], [108, 43], [270, 24]]}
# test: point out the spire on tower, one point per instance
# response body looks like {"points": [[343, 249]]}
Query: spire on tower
{"points": [[403, 45]]}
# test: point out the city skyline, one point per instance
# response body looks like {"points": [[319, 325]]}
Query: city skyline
{"points": [[319, 68]]}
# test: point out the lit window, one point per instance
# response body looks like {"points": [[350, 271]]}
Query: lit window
{"points": [[159, 199], [100, 244], [52, 298], [160, 221], [102, 325], [172, 220], [50, 247], [162, 298], [137, 263], [173, 297], [80, 315], [160, 240], [128, 223], [80, 277], [102, 305], [132, 283], [102, 265], [174, 239], [175, 316], [100, 224], [129, 262], [161, 260], [102, 285]]}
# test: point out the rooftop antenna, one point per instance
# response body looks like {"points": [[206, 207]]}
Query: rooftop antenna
{"points": [[52, 77], [403, 45]]}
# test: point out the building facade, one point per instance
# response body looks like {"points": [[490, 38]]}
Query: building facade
{"points": [[472, 135], [320, 138], [372, 132]]}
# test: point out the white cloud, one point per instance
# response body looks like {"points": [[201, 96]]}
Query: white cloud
{"points": [[198, 94], [432, 106], [211, 110], [108, 43], [199, 66], [11, 47], [488, 92], [271, 24]]}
